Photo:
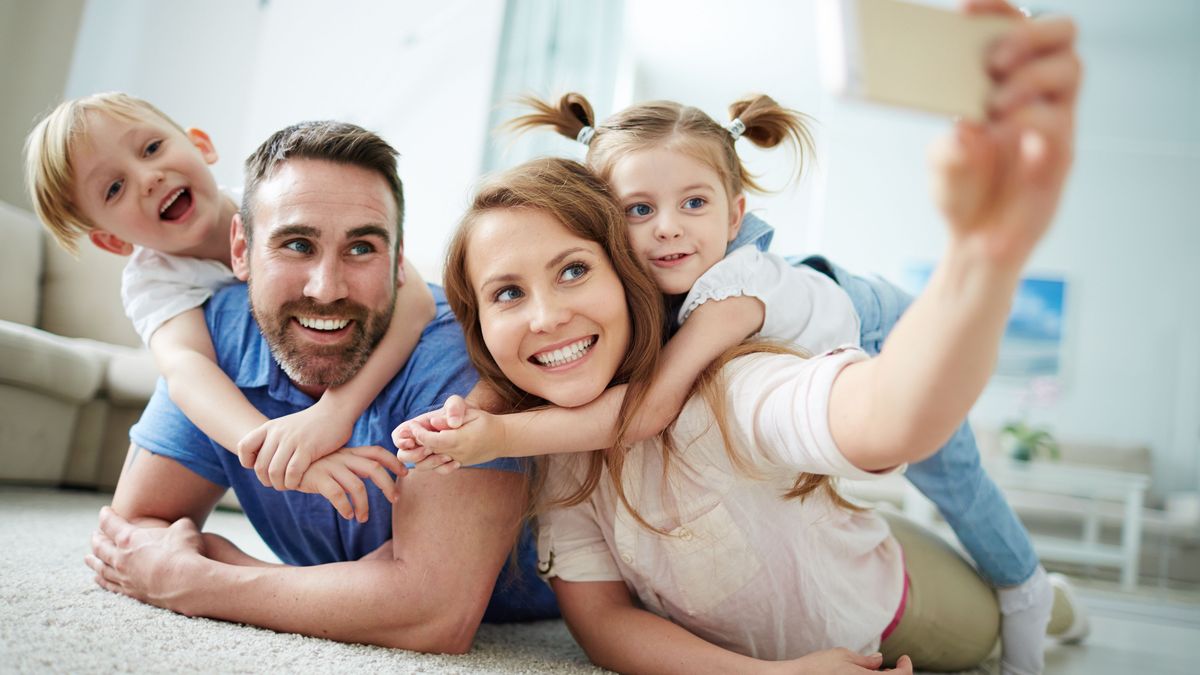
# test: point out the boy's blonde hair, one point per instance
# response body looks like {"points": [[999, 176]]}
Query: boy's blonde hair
{"points": [[49, 176]]}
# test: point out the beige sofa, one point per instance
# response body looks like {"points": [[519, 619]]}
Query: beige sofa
{"points": [[73, 375]]}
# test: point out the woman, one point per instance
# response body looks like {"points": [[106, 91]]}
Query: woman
{"points": [[722, 546]]}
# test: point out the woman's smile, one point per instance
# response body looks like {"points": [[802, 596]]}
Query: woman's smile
{"points": [[564, 356]]}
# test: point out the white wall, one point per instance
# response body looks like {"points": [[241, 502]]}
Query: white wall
{"points": [[421, 73], [190, 59], [418, 74]]}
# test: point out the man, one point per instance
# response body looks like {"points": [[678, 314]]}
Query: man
{"points": [[319, 236]]}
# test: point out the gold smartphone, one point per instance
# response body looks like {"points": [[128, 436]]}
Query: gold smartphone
{"points": [[905, 54]]}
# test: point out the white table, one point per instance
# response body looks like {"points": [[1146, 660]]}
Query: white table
{"points": [[1090, 492]]}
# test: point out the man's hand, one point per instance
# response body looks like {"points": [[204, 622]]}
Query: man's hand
{"points": [[340, 478], [150, 564], [282, 449]]}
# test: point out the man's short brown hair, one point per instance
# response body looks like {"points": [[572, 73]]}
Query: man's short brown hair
{"points": [[338, 142]]}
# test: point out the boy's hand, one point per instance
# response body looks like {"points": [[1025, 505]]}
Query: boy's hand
{"points": [[443, 440], [282, 449], [340, 478], [999, 183]]}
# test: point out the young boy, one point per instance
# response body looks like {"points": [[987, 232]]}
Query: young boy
{"points": [[116, 169]]}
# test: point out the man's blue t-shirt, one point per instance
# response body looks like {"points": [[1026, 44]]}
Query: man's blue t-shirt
{"points": [[305, 529]]}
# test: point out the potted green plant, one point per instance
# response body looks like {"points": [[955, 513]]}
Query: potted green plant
{"points": [[1024, 440], [1027, 442]]}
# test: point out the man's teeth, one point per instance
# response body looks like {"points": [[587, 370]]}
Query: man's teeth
{"points": [[170, 200], [571, 352], [323, 324]]}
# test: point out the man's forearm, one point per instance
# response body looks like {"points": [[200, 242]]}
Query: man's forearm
{"points": [[426, 590], [377, 602]]}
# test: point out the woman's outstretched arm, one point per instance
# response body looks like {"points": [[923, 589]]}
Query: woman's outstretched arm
{"points": [[998, 185]]}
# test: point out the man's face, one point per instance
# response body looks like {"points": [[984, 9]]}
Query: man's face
{"points": [[321, 270]]}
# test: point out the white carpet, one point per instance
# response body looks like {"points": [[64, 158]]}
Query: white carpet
{"points": [[53, 618]]}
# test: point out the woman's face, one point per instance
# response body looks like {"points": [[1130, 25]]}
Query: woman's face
{"points": [[551, 308]]}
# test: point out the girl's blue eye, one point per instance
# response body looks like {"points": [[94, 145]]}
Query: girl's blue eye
{"points": [[113, 190], [299, 246], [640, 210], [508, 294], [694, 203], [574, 271], [153, 147]]}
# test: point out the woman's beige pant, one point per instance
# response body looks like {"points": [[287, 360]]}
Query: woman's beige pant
{"points": [[952, 619]]}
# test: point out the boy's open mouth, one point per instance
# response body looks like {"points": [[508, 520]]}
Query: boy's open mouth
{"points": [[176, 205]]}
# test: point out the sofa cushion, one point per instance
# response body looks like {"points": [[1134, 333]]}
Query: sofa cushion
{"points": [[21, 260], [34, 359], [82, 297], [131, 377]]}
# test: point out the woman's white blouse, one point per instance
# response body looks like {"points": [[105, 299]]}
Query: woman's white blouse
{"points": [[740, 567]]}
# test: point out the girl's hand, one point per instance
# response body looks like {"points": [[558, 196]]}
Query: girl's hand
{"points": [[457, 434], [281, 450], [340, 478], [410, 451], [999, 183]]}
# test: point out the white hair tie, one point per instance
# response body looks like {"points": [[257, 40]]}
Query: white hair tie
{"points": [[736, 128], [585, 135]]}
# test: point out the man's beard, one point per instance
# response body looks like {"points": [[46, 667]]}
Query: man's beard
{"points": [[315, 365]]}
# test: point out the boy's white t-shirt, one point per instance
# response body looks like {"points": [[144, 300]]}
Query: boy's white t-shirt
{"points": [[803, 306], [156, 287]]}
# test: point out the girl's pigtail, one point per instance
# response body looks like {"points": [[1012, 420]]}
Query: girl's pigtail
{"points": [[572, 114], [768, 124]]}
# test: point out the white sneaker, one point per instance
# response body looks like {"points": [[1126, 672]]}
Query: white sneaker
{"points": [[1080, 627]]}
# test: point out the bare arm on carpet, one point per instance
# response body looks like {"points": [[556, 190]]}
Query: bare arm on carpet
{"points": [[620, 636], [428, 593]]}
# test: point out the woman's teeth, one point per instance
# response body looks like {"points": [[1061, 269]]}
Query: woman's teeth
{"points": [[564, 355], [323, 324]]}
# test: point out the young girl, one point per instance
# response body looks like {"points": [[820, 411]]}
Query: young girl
{"points": [[117, 169]]}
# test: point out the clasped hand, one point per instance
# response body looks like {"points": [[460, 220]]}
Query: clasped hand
{"points": [[459, 433]]}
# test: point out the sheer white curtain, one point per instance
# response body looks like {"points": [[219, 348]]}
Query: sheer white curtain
{"points": [[547, 48]]}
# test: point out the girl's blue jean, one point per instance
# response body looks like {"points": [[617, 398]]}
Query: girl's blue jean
{"points": [[952, 478]]}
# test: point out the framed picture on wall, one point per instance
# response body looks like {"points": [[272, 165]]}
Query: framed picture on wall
{"points": [[1032, 345]]}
